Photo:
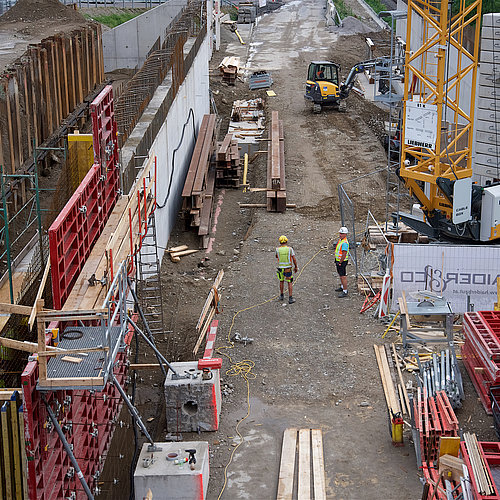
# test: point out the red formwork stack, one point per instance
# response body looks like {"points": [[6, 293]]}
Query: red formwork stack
{"points": [[481, 352], [434, 418], [79, 224]]}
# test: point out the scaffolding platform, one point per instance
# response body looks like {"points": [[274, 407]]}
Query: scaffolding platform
{"points": [[91, 364]]}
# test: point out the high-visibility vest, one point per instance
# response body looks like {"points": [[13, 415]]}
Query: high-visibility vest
{"points": [[338, 249], [284, 257]]}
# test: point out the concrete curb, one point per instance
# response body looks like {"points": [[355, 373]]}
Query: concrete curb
{"points": [[380, 22]]}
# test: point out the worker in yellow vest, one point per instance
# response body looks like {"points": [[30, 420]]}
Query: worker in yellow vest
{"points": [[341, 258], [285, 256]]}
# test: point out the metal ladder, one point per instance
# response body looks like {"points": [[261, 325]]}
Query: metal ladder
{"points": [[149, 284]]}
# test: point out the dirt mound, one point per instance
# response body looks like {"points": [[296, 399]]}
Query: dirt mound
{"points": [[353, 26], [33, 16]]}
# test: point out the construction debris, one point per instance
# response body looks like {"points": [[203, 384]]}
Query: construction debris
{"points": [[200, 181], [210, 309], [229, 68]]}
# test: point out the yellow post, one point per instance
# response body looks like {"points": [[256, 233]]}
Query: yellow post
{"points": [[245, 171]]}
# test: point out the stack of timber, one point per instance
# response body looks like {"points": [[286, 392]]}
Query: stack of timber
{"points": [[392, 396], [176, 253], [480, 458], [251, 110], [43, 87], [377, 235], [228, 167], [376, 281], [198, 191], [210, 309], [229, 69], [276, 192]]}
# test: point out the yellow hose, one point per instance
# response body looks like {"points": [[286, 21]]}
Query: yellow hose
{"points": [[238, 35]]}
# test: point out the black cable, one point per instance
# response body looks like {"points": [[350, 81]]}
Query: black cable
{"points": [[190, 115]]}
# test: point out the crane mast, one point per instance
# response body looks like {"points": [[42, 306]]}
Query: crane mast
{"points": [[438, 117]]}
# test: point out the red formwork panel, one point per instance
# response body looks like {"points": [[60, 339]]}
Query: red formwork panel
{"points": [[478, 375], [77, 227], [490, 452], [88, 420], [104, 131]]}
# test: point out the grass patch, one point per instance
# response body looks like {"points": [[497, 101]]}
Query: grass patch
{"points": [[343, 9], [376, 5], [114, 20]]}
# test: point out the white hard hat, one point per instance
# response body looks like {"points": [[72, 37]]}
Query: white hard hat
{"points": [[343, 230]]}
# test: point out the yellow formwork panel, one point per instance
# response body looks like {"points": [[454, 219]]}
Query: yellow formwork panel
{"points": [[80, 157]]}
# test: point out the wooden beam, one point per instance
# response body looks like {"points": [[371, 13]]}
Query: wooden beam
{"points": [[318, 465], [72, 381], [42, 347], [287, 465], [63, 352], [25, 346], [34, 312], [6, 394], [304, 473], [15, 309]]}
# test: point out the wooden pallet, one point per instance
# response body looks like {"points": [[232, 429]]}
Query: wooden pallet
{"points": [[309, 483]]}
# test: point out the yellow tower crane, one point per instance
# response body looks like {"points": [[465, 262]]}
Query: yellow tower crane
{"points": [[438, 119]]}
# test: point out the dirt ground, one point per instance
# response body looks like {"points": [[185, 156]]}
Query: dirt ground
{"points": [[310, 364]]}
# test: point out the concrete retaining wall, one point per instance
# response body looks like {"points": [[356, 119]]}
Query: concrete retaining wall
{"points": [[171, 146], [127, 45]]}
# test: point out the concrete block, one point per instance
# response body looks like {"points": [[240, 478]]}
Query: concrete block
{"points": [[487, 161], [488, 56], [193, 404], [491, 91], [168, 480], [489, 148], [488, 137], [489, 104], [486, 115], [491, 20], [485, 172]]}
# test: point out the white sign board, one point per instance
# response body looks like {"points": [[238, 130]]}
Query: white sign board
{"points": [[262, 3], [421, 125], [453, 271], [462, 199]]}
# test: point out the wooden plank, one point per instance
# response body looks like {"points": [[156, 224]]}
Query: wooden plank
{"points": [[77, 51], [63, 64], [206, 152], [287, 465], [210, 298], [15, 309], [25, 101], [69, 382], [387, 384], [42, 347], [68, 42], [7, 463], [180, 248], [34, 312], [6, 394], [23, 451], [21, 345], [71, 359], [16, 448], [10, 129], [195, 158], [47, 110], [183, 253], [62, 352], [57, 80], [206, 210], [304, 472], [318, 465], [408, 324]]}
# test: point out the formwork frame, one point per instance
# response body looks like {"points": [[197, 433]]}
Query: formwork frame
{"points": [[430, 80]]}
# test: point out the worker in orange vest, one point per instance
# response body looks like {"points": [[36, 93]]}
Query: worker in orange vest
{"points": [[285, 256], [341, 259]]}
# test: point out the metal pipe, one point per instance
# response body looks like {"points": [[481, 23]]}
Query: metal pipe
{"points": [[132, 409], [146, 326], [152, 345], [67, 447]]}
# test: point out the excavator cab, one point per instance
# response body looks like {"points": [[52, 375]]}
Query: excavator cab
{"points": [[322, 85]]}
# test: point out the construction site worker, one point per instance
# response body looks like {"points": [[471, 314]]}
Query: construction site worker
{"points": [[341, 258], [285, 256], [321, 73]]}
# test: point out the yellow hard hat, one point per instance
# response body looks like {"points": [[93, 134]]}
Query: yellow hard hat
{"points": [[283, 239]]}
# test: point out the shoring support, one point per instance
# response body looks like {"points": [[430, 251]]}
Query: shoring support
{"points": [[152, 345], [67, 447], [7, 238], [135, 414], [146, 326]]}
